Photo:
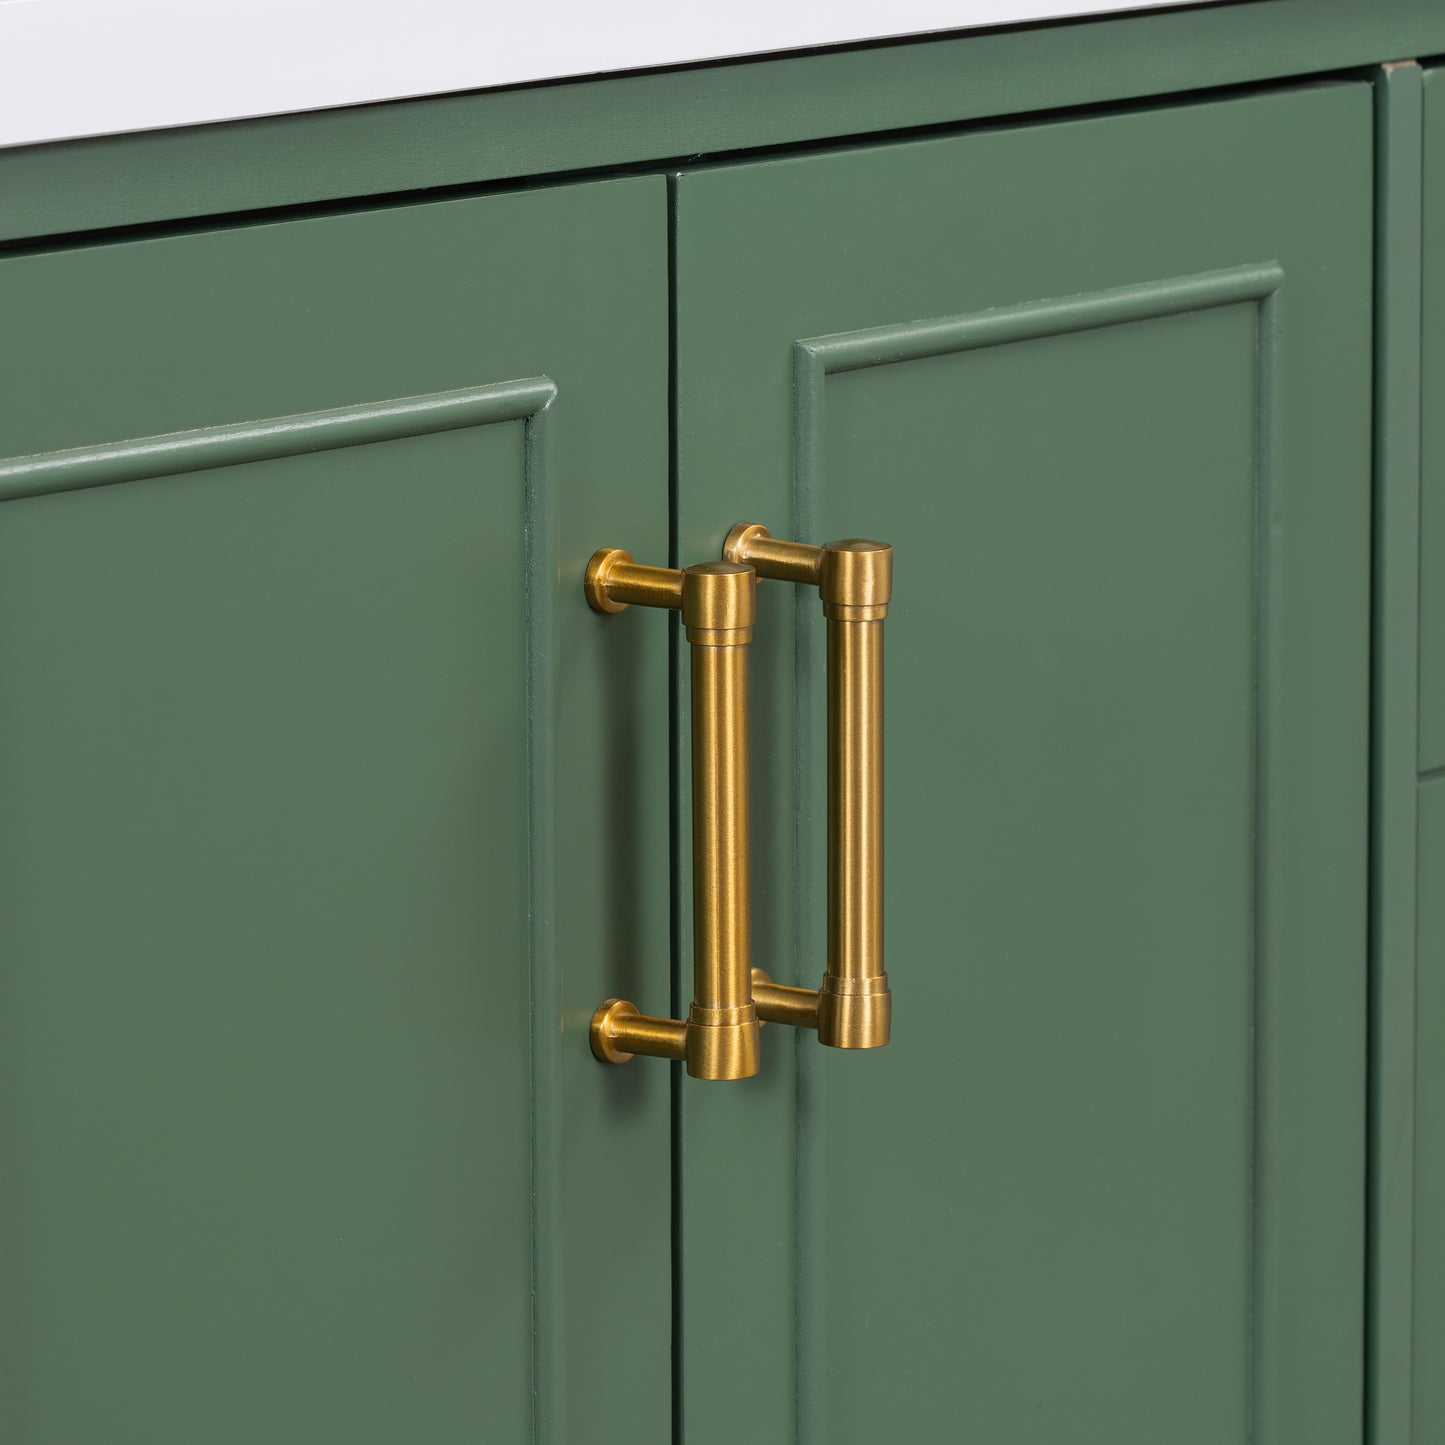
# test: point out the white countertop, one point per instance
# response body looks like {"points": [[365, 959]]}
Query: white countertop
{"points": [[72, 68]]}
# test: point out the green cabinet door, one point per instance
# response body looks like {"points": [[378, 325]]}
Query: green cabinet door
{"points": [[1105, 385], [1428, 1379], [307, 735]]}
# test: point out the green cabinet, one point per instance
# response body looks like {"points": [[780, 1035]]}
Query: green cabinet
{"points": [[309, 763], [331, 812], [1104, 384]]}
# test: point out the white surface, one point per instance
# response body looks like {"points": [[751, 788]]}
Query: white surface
{"points": [[91, 67]]}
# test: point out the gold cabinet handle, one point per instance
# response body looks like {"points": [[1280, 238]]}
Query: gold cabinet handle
{"points": [[718, 601], [853, 1009]]}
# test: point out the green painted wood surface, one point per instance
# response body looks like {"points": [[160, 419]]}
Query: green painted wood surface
{"points": [[554, 128], [1105, 384], [314, 760], [1429, 1387], [1432, 516], [1394, 730], [1429, 1273]]}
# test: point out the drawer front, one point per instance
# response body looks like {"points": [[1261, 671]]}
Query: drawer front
{"points": [[308, 733], [1105, 385]]}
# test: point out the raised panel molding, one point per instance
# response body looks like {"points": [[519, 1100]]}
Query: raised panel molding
{"points": [[271, 438], [817, 358], [529, 401]]}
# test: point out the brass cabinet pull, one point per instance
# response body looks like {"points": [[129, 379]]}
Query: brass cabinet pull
{"points": [[718, 601], [853, 1009]]}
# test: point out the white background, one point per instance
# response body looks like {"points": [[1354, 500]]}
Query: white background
{"points": [[87, 67]]}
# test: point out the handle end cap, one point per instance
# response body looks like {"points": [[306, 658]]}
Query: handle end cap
{"points": [[855, 1013]]}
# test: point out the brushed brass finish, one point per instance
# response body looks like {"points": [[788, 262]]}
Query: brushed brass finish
{"points": [[857, 580], [853, 1009], [619, 1031], [779, 1003], [613, 580], [723, 1043], [719, 1039], [788, 561], [719, 605]]}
